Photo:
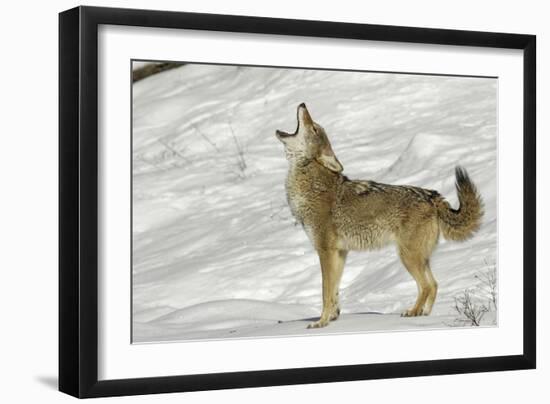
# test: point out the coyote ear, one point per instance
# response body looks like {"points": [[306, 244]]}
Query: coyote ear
{"points": [[328, 160]]}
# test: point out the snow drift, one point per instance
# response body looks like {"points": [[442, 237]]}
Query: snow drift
{"points": [[216, 253]]}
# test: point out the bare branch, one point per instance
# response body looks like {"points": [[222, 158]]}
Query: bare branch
{"points": [[151, 69], [174, 151], [473, 312], [489, 284], [206, 138], [241, 161]]}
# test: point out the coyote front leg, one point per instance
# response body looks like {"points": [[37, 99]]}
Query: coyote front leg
{"points": [[332, 266]]}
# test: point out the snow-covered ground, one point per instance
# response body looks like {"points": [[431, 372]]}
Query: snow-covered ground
{"points": [[216, 253]]}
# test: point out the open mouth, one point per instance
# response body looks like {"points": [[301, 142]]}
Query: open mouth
{"points": [[282, 135]]}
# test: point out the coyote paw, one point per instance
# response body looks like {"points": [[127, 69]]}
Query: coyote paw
{"points": [[413, 312], [318, 324], [335, 314]]}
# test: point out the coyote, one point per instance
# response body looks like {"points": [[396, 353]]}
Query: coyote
{"points": [[339, 215]]}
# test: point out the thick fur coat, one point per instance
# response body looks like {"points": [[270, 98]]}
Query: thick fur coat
{"points": [[340, 215]]}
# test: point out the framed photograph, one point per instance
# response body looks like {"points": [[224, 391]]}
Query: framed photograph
{"points": [[251, 201]]}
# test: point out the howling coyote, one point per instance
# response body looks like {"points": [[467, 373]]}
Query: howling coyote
{"points": [[339, 215]]}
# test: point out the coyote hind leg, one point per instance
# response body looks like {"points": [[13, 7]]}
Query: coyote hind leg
{"points": [[416, 265], [432, 293], [415, 248]]}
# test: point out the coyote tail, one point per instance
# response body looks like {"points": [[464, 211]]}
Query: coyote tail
{"points": [[461, 224]]}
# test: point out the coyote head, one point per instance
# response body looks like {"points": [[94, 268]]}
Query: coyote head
{"points": [[309, 142]]}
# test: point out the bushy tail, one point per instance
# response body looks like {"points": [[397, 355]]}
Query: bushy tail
{"points": [[461, 224]]}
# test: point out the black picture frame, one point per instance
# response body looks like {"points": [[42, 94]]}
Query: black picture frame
{"points": [[78, 201]]}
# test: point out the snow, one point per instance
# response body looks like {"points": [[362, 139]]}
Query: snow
{"points": [[216, 252]]}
